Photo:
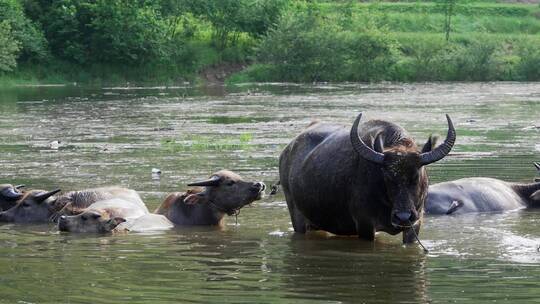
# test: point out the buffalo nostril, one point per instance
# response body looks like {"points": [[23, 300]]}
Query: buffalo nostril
{"points": [[258, 187], [403, 217]]}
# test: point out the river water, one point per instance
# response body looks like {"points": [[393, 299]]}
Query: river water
{"points": [[116, 136]]}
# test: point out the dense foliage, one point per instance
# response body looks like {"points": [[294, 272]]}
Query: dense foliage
{"points": [[9, 48], [280, 40]]}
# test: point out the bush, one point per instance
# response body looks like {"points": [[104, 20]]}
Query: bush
{"points": [[304, 47], [9, 48], [529, 65]]}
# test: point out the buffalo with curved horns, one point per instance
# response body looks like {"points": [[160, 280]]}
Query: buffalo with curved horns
{"points": [[334, 181]]}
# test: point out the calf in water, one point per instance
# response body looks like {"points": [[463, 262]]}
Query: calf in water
{"points": [[113, 215], [223, 193]]}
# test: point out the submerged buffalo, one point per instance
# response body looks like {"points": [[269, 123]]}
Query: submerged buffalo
{"points": [[334, 181], [481, 194], [41, 206], [9, 195], [113, 215], [223, 193]]}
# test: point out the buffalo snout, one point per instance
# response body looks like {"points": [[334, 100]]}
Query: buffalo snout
{"points": [[258, 187], [404, 218]]}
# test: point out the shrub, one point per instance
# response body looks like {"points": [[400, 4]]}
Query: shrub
{"points": [[9, 48], [304, 47]]}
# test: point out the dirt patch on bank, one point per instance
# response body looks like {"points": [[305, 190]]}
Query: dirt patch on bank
{"points": [[218, 73]]}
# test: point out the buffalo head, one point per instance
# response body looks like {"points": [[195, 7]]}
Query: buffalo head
{"points": [[9, 195], [402, 168], [226, 191], [89, 221], [34, 206]]}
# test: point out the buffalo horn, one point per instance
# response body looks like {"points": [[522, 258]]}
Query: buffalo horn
{"points": [[45, 195], [19, 186], [213, 181], [537, 165], [442, 150], [361, 148]]}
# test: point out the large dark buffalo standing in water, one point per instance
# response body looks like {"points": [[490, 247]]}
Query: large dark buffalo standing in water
{"points": [[334, 181]]}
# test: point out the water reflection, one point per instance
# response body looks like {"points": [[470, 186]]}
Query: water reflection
{"points": [[349, 270]]}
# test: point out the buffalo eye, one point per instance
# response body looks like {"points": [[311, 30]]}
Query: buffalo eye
{"points": [[84, 218], [25, 205], [96, 216], [230, 183]]}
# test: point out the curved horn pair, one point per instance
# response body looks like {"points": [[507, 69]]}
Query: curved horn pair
{"points": [[425, 158], [212, 181]]}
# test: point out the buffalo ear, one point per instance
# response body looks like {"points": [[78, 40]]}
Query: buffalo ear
{"points": [[112, 223], [430, 144], [11, 194], [378, 143], [193, 199]]}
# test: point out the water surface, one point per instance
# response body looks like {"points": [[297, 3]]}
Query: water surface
{"points": [[116, 136]]}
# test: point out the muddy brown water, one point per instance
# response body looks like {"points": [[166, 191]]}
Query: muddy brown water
{"points": [[116, 136]]}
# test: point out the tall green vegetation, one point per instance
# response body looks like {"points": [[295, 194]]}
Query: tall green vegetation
{"points": [[399, 42], [233, 17], [280, 40], [24, 30], [9, 48], [449, 9], [306, 47]]}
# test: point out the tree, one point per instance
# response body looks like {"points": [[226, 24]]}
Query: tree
{"points": [[33, 45], [227, 17], [9, 48]]}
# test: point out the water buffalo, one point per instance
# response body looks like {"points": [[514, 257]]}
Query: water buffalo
{"points": [[223, 193], [113, 215], [334, 181], [9, 195], [481, 194], [41, 206]]}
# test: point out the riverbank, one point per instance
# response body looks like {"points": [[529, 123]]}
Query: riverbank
{"points": [[296, 41]]}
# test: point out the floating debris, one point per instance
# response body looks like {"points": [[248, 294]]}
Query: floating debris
{"points": [[55, 144], [156, 173]]}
